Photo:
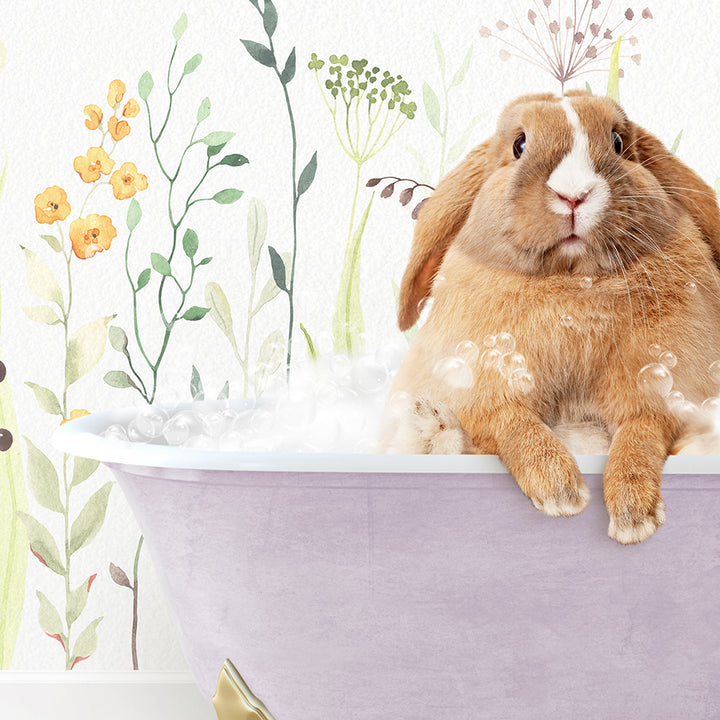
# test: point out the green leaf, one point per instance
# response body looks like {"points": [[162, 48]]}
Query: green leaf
{"points": [[83, 468], [348, 323], [204, 261], [134, 214], [192, 64], [118, 339], [42, 544], [215, 149], [48, 616], [85, 348], [588, 89], [270, 356], [88, 523], [46, 399], [676, 143], [196, 386], [432, 106], [143, 278], [219, 137], [77, 600], [312, 352], [613, 88], [220, 311], [204, 110], [42, 478], [180, 27], [456, 150], [224, 394], [278, 268], [86, 644], [307, 175], [288, 72], [270, 18], [257, 223], [439, 53], [42, 314], [160, 264], [119, 379], [259, 53], [234, 160], [145, 85], [190, 243], [270, 291], [227, 196], [53, 242], [40, 280], [195, 313], [462, 70]]}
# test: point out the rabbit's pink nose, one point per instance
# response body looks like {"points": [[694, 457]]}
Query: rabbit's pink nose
{"points": [[573, 202]]}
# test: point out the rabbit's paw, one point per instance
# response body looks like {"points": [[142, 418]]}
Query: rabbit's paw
{"points": [[629, 526], [567, 499], [428, 427]]}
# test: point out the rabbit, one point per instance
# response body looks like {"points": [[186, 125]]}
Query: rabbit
{"points": [[576, 234]]}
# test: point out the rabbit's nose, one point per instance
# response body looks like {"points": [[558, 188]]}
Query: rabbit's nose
{"points": [[573, 202]]}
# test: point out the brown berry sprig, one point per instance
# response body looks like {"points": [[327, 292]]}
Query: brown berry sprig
{"points": [[406, 195]]}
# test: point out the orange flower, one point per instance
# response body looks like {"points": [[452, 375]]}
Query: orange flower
{"points": [[127, 181], [75, 414], [51, 205], [91, 235], [131, 109], [118, 128], [95, 115], [91, 165], [115, 93]]}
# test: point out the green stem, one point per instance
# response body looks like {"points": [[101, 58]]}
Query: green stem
{"points": [[135, 604], [250, 315], [135, 320], [66, 513], [445, 128]]}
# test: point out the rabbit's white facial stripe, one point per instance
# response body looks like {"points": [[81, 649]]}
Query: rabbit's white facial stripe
{"points": [[575, 179]]}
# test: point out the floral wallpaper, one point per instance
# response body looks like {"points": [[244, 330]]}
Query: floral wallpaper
{"points": [[197, 196]]}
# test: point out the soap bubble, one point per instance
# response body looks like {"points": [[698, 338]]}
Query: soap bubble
{"points": [[522, 380], [391, 354], [654, 350], [261, 421], [369, 375], [200, 442], [400, 403], [566, 320], [135, 434], [586, 283], [150, 420], [505, 343], [454, 371], [491, 358], [215, 423], [715, 371], [655, 379], [424, 307], [690, 288], [511, 362], [115, 432], [231, 440], [668, 359], [179, 427], [490, 341], [711, 406], [468, 351]]}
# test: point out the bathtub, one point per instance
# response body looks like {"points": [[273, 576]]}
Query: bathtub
{"points": [[364, 587]]}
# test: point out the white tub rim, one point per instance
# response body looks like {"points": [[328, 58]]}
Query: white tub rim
{"points": [[82, 437]]}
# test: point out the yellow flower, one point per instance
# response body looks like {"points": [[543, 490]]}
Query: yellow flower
{"points": [[127, 181], [95, 115], [51, 205], [115, 93], [91, 235], [118, 128], [131, 109], [75, 414], [91, 165]]}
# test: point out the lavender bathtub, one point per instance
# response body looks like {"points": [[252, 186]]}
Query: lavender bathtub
{"points": [[364, 587]]}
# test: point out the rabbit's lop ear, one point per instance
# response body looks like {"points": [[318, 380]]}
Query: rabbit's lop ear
{"points": [[681, 183], [440, 220]]}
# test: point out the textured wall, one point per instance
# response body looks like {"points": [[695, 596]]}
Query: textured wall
{"points": [[109, 295]]}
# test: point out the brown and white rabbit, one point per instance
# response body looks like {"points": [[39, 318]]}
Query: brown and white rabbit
{"points": [[576, 232]]}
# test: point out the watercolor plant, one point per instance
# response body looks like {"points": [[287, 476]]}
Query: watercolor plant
{"points": [[272, 349], [368, 109], [87, 235], [570, 47], [266, 56], [172, 290], [13, 498]]}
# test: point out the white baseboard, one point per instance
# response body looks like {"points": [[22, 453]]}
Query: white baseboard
{"points": [[102, 696]]}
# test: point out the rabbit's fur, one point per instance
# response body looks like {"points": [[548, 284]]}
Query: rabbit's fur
{"points": [[499, 250]]}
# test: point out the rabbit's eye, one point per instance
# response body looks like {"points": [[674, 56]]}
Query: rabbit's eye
{"points": [[617, 142], [519, 145]]}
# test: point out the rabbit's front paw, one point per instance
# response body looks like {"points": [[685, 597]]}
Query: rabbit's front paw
{"points": [[568, 498], [428, 427], [631, 525]]}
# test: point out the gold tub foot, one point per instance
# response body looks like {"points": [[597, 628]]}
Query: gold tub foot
{"points": [[233, 699]]}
